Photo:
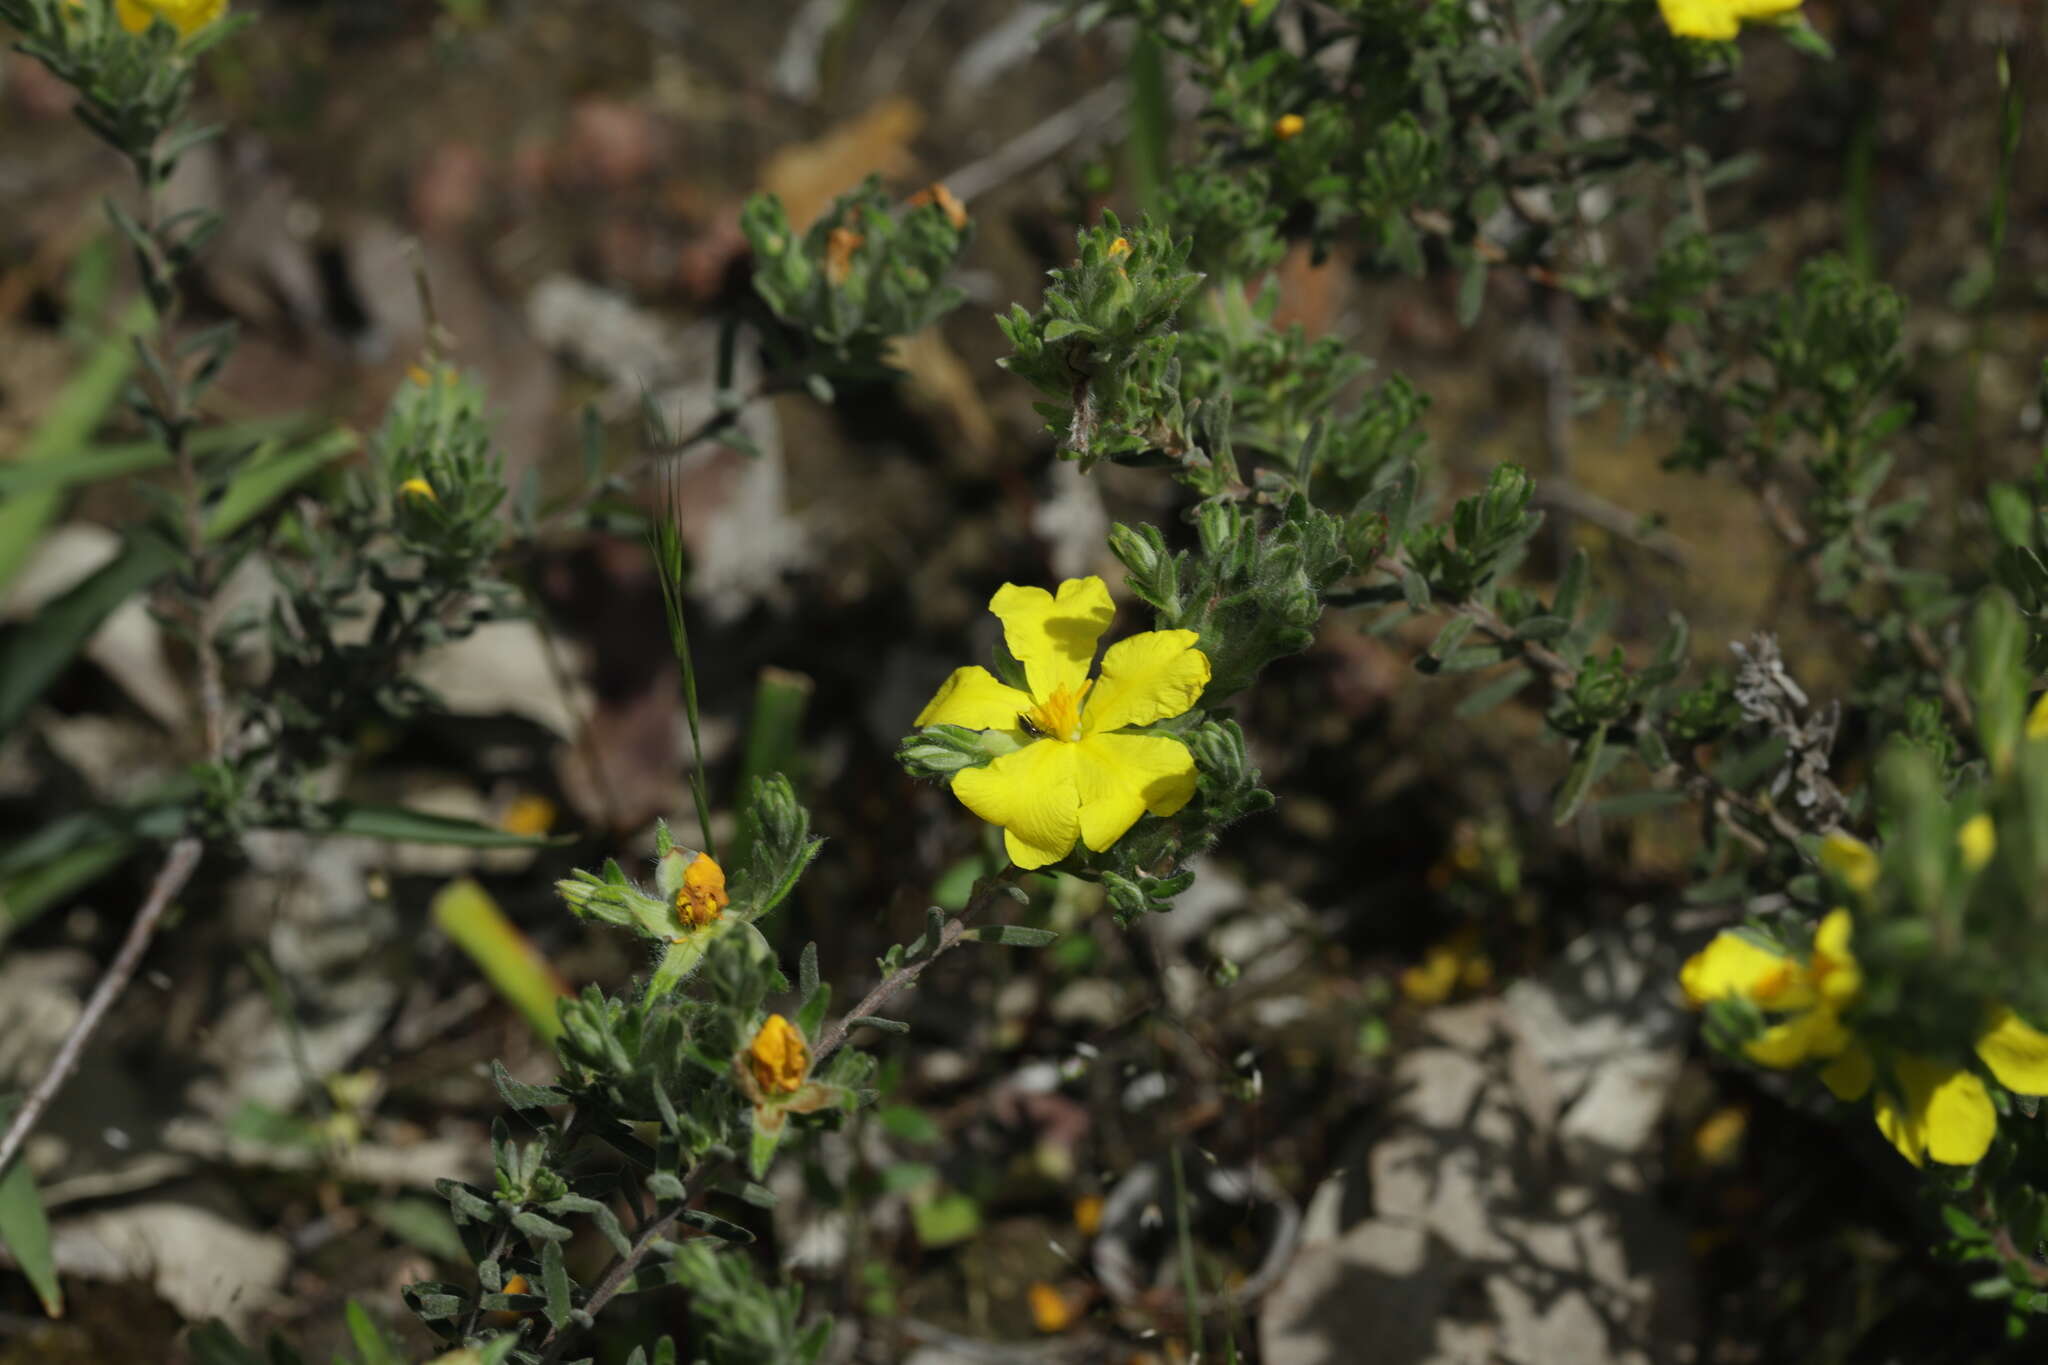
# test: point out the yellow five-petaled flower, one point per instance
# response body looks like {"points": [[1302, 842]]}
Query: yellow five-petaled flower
{"points": [[1928, 1107], [1076, 774], [1719, 19]]}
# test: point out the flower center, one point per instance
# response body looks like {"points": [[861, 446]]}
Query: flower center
{"points": [[1059, 715]]}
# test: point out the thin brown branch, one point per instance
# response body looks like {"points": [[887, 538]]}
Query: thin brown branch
{"points": [[170, 879]]}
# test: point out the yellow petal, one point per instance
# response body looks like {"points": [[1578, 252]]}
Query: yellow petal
{"points": [[2016, 1052], [133, 16], [1952, 1108], [1120, 777], [1978, 840], [1901, 1127], [973, 697], [1031, 794], [2037, 719], [1148, 677], [1054, 637], [1806, 1036], [1833, 971], [186, 16], [1719, 19], [1851, 860], [1850, 1074], [1733, 965]]}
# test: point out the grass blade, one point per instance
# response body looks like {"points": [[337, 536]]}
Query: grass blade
{"points": [[467, 914]]}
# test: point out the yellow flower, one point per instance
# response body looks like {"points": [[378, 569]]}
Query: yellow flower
{"points": [[418, 488], [1850, 859], [702, 895], [1978, 840], [1088, 1214], [2037, 718], [1050, 1311], [1719, 19], [186, 16], [778, 1057], [530, 815], [1718, 1139], [1932, 1108], [1448, 965], [1075, 775], [1120, 247], [1289, 126]]}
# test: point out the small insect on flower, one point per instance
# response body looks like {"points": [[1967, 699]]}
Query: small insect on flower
{"points": [[948, 202], [1720, 20], [840, 244], [1289, 126], [1076, 773], [778, 1057]]}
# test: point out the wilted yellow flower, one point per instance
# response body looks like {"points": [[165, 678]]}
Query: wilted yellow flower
{"points": [[1075, 775], [1088, 1214], [778, 1057], [702, 895], [840, 244], [1719, 19], [948, 202], [1289, 126]]}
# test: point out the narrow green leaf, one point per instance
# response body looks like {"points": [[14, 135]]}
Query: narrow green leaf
{"points": [[554, 1281], [713, 1225], [25, 1229], [269, 476], [80, 406], [371, 1347], [1579, 780], [466, 913], [421, 1222], [780, 700], [1011, 935], [372, 820], [878, 1023], [34, 653]]}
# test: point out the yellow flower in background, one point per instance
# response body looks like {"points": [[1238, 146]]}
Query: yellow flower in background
{"points": [[1075, 776], [1978, 840], [1289, 126], [2037, 718], [186, 16], [418, 488], [1050, 1311], [778, 1057], [1455, 962], [1850, 859], [1719, 19], [1931, 1108]]}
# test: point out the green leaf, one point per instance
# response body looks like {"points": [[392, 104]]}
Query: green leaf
{"points": [[1011, 935], [268, 477], [34, 653], [1484, 699], [712, 1225], [520, 1095], [907, 1122], [80, 406], [363, 1334], [372, 820], [25, 1229], [554, 1281], [1579, 780], [27, 893], [780, 700], [466, 913], [420, 1222], [946, 1221]]}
